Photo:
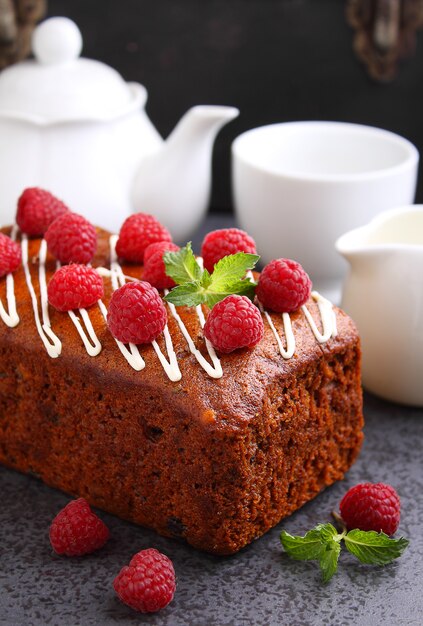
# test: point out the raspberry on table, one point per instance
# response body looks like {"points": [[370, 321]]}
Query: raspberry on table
{"points": [[234, 322], [148, 583], [154, 267], [371, 506], [220, 243], [37, 209], [72, 239], [74, 287], [283, 286], [136, 313], [10, 255], [76, 530], [137, 232]]}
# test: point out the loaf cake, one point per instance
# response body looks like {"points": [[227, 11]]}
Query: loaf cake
{"points": [[214, 449]]}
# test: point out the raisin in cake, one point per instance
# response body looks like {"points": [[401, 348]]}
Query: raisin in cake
{"points": [[169, 435]]}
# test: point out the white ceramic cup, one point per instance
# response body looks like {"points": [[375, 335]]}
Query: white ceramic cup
{"points": [[298, 186]]}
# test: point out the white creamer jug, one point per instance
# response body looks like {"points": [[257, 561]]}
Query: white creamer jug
{"points": [[383, 293]]}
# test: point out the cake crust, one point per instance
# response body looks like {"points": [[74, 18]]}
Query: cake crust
{"points": [[214, 461]]}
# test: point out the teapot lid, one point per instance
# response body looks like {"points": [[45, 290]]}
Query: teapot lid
{"points": [[58, 86]]}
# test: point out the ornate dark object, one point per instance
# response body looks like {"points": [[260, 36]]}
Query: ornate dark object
{"points": [[17, 21], [385, 33]]}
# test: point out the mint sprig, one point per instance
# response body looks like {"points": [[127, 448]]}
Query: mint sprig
{"points": [[323, 544], [196, 285]]}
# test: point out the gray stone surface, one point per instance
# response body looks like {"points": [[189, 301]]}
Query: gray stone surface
{"points": [[258, 586]]}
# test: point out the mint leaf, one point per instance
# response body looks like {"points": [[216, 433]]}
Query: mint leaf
{"points": [[374, 548], [240, 287], [206, 279], [305, 548], [189, 294], [230, 269], [327, 531], [328, 558], [182, 265]]}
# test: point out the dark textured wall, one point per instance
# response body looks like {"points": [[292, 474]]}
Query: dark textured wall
{"points": [[277, 60]]}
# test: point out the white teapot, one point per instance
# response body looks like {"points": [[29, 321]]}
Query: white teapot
{"points": [[383, 293], [75, 127]]}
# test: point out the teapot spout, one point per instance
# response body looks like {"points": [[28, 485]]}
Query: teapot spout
{"points": [[201, 123], [173, 183]]}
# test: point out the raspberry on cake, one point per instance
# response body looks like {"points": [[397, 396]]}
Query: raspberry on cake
{"points": [[154, 267], [220, 243], [37, 209], [71, 238], [283, 286], [139, 231], [74, 287], [136, 313], [234, 322], [10, 255]]}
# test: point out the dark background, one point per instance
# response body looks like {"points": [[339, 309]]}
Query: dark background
{"points": [[276, 60]]}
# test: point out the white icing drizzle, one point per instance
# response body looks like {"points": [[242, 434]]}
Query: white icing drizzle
{"points": [[171, 367], [42, 256], [289, 335], [10, 318], [117, 276], [106, 273], [93, 348], [55, 347], [214, 371], [327, 315]]}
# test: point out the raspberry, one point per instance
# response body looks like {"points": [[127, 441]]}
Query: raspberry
{"points": [[283, 286], [37, 209], [139, 231], [220, 243], [148, 583], [234, 322], [10, 255], [136, 313], [76, 530], [159, 246], [371, 506], [72, 239], [154, 267], [74, 287]]}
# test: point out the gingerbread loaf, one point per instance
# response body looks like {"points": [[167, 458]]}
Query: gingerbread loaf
{"points": [[215, 449]]}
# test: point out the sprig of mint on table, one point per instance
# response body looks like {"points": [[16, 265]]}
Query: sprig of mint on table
{"points": [[195, 285], [323, 544]]}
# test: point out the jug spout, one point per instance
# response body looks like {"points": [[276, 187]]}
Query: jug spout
{"points": [[352, 246], [394, 236], [173, 183]]}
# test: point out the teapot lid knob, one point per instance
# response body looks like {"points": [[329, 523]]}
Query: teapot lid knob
{"points": [[57, 40]]}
